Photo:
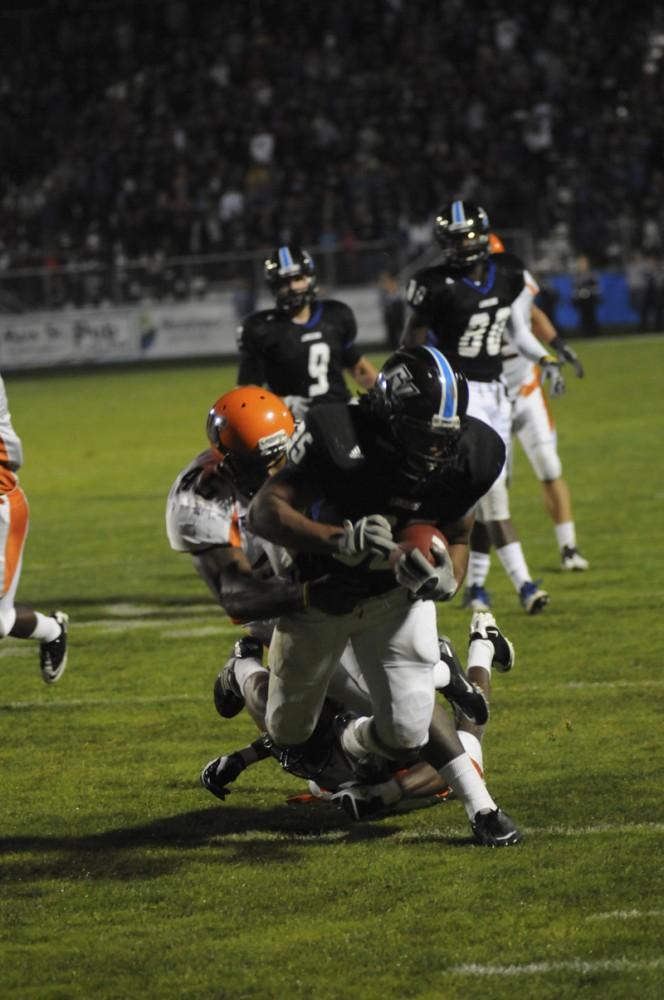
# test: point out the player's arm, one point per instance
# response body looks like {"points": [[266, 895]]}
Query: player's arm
{"points": [[364, 373], [242, 594], [545, 331], [251, 365], [276, 514], [457, 534], [415, 332]]}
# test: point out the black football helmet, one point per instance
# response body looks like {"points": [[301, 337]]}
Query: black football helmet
{"points": [[422, 399], [284, 264], [462, 229]]}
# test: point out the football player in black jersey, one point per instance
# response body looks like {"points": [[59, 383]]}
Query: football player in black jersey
{"points": [[355, 476], [301, 347], [462, 305]]}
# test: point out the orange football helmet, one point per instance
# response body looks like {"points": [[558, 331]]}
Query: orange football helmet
{"points": [[251, 428], [496, 245]]}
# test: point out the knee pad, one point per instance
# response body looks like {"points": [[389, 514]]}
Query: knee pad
{"points": [[7, 619], [494, 505], [546, 462]]}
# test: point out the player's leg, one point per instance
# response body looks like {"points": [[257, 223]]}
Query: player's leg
{"points": [[489, 403], [537, 434], [305, 650], [488, 649], [20, 621], [475, 596]]}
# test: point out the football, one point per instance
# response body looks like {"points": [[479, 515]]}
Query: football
{"points": [[418, 535]]}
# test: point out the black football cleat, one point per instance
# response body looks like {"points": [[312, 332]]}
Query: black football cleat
{"points": [[483, 626], [495, 829], [227, 698], [459, 691], [53, 654], [220, 772]]}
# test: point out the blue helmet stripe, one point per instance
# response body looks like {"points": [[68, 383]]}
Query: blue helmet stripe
{"points": [[458, 214], [285, 258], [448, 403]]}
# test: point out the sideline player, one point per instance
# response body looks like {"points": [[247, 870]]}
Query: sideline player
{"points": [[20, 621], [301, 347], [533, 424], [462, 305], [406, 451]]}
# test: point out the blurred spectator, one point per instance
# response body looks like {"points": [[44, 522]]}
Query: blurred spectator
{"points": [[187, 128], [645, 276], [586, 296]]}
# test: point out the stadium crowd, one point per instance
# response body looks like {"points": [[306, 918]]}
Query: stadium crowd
{"points": [[147, 131]]}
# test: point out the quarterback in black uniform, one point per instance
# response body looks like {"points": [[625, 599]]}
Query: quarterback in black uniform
{"points": [[462, 305], [407, 452], [301, 347]]}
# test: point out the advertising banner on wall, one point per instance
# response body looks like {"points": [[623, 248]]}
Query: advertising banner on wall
{"points": [[143, 333]]}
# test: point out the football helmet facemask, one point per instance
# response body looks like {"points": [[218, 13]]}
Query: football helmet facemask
{"points": [[251, 427], [282, 266], [462, 229], [422, 400]]}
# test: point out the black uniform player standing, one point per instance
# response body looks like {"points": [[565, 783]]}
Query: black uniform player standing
{"points": [[302, 346], [463, 305], [356, 473]]}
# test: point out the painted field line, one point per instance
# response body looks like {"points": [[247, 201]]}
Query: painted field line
{"points": [[627, 915], [573, 965], [428, 835], [162, 699]]}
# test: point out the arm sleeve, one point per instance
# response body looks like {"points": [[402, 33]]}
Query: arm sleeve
{"points": [[522, 337], [351, 352], [251, 365]]}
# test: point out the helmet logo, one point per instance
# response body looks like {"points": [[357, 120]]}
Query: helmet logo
{"points": [[272, 443], [400, 382]]}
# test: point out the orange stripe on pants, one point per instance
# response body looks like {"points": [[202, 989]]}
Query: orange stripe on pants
{"points": [[17, 518]]}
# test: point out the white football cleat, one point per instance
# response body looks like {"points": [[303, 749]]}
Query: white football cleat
{"points": [[572, 560]]}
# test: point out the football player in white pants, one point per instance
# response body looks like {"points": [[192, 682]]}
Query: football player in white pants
{"points": [[532, 423], [250, 579], [22, 622]]}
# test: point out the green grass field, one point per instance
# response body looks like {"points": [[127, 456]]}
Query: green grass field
{"points": [[123, 878]]}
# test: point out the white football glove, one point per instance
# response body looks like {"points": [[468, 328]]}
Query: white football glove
{"points": [[370, 534], [552, 377], [414, 571]]}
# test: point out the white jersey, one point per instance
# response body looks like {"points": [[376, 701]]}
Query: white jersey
{"points": [[195, 523], [11, 451], [518, 369]]}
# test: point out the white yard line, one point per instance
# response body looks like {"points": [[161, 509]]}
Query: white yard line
{"points": [[573, 965], [627, 915]]}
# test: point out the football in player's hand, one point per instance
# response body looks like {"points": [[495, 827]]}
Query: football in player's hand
{"points": [[418, 536]]}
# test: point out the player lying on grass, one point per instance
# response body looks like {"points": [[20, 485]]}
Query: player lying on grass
{"points": [[330, 774], [250, 428]]}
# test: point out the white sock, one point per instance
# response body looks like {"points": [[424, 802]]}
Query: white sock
{"points": [[47, 628], [473, 747], [478, 568], [441, 675], [246, 668], [566, 534], [481, 654], [468, 785], [514, 564]]}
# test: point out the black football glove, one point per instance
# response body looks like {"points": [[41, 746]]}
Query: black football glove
{"points": [[566, 353]]}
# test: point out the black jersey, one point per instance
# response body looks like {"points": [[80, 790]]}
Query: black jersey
{"points": [[341, 452], [300, 359], [466, 320]]}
